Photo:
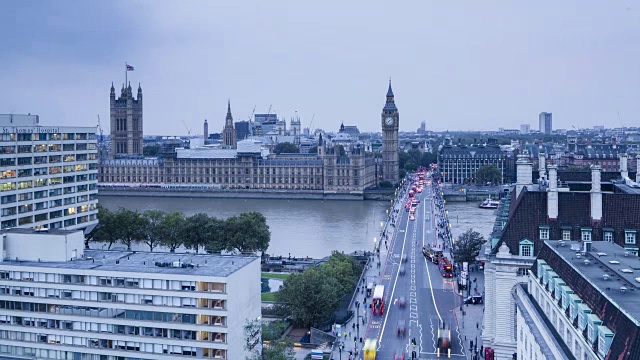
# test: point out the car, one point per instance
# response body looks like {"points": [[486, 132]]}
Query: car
{"points": [[398, 356], [472, 300], [402, 270], [402, 328], [412, 218], [404, 258], [402, 302]]}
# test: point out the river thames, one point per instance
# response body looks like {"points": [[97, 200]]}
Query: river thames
{"points": [[307, 227]]}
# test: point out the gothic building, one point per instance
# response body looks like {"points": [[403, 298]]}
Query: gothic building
{"points": [[228, 132], [390, 123], [126, 122]]}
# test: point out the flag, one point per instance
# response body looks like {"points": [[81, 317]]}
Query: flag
{"points": [[129, 67]]}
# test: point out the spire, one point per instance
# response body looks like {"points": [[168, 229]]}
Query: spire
{"points": [[390, 91], [320, 140], [229, 118], [139, 88], [113, 91], [229, 107]]}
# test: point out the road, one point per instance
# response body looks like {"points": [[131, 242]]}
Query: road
{"points": [[430, 298]]}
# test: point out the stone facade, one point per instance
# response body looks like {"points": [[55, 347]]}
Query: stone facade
{"points": [[458, 163], [126, 123], [390, 125], [228, 132]]}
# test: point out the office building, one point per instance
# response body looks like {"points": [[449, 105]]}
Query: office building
{"points": [[545, 122], [48, 175], [459, 163], [525, 129], [242, 130], [61, 301], [126, 122], [206, 131]]}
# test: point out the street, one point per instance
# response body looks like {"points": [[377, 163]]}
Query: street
{"points": [[430, 298]]}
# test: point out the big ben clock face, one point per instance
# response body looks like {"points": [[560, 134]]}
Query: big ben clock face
{"points": [[388, 121]]}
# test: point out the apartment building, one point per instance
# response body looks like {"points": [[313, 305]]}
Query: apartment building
{"points": [[61, 301], [48, 175]]}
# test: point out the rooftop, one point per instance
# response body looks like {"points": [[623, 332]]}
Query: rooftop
{"points": [[148, 262], [35, 231], [622, 269]]}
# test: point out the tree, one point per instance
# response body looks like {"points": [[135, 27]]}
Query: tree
{"points": [[247, 232], [108, 229], [198, 231], [151, 150], [152, 227], [276, 350], [313, 150], [131, 225], [173, 231], [309, 298], [215, 243], [488, 174], [467, 248], [287, 148], [385, 184]]}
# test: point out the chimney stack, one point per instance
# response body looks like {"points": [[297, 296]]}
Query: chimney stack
{"points": [[638, 168], [552, 193], [524, 170], [541, 165], [613, 143], [596, 194], [623, 166]]}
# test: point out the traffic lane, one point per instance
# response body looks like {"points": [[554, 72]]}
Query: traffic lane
{"points": [[447, 300]]}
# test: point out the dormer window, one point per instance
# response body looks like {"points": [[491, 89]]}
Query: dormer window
{"points": [[608, 235], [526, 247], [630, 237], [544, 233], [585, 234], [566, 235]]}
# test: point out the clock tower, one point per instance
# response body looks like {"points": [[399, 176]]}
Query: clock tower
{"points": [[390, 122]]}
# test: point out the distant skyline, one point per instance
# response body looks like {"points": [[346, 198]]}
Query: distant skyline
{"points": [[458, 66]]}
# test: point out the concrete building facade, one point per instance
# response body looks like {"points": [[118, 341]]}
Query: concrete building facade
{"points": [[95, 304], [48, 175], [545, 122], [459, 163]]}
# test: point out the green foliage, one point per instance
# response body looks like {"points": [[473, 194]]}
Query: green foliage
{"points": [[286, 148], [269, 275], [273, 330], [245, 233], [488, 174], [313, 150], [385, 184], [151, 150], [414, 158], [467, 248], [255, 332], [326, 285]]}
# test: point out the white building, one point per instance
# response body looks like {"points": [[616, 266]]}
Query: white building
{"points": [[525, 129], [59, 301], [48, 175]]}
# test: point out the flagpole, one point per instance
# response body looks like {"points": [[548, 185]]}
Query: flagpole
{"points": [[126, 71]]}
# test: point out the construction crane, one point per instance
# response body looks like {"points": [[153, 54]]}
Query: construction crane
{"points": [[186, 127], [252, 113], [311, 123], [269, 112]]}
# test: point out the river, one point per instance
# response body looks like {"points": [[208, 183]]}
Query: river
{"points": [[307, 227]]}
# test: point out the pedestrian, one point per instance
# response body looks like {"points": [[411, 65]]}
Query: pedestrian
{"points": [[345, 334], [353, 326]]}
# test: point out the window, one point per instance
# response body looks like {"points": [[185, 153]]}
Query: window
{"points": [[526, 247], [629, 236], [586, 235], [608, 236], [544, 233], [566, 234]]}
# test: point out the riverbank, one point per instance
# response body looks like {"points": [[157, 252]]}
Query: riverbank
{"points": [[245, 193]]}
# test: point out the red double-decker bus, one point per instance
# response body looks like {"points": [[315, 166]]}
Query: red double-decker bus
{"points": [[378, 300], [446, 268]]}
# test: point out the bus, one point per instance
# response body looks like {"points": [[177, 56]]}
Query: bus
{"points": [[377, 305], [369, 349], [446, 268]]}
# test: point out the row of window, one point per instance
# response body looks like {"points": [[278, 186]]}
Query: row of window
{"points": [[27, 220], [42, 194], [26, 149], [585, 235], [47, 136], [52, 159]]}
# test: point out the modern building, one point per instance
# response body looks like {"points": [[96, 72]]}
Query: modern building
{"points": [[459, 163], [126, 122], [61, 301], [545, 122], [390, 153], [206, 131], [243, 130], [228, 132], [48, 175], [532, 214], [525, 129], [580, 301]]}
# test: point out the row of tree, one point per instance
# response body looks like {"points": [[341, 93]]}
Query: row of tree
{"points": [[314, 296], [245, 233]]}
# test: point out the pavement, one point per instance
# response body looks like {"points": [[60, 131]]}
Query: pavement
{"points": [[470, 316]]}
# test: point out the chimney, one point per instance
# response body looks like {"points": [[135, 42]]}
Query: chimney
{"points": [[552, 193], [638, 168], [524, 170], [541, 165], [589, 142], [623, 166], [613, 143], [596, 194]]}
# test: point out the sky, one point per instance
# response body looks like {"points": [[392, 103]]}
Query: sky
{"points": [[457, 65]]}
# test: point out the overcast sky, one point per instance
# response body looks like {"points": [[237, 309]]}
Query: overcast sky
{"points": [[458, 65]]}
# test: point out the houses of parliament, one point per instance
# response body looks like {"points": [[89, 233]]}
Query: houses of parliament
{"points": [[241, 164]]}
